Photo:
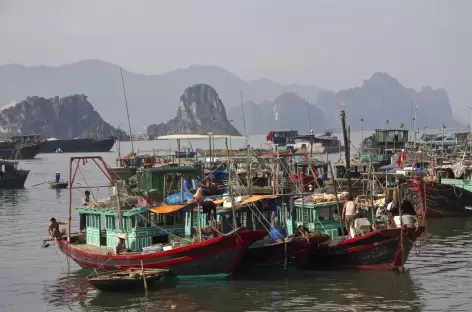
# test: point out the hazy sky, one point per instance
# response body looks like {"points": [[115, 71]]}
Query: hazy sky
{"points": [[333, 44]]}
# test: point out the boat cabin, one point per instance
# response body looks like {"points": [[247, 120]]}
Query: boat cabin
{"points": [[158, 182], [391, 138], [318, 217]]}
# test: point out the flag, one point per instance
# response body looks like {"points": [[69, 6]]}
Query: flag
{"points": [[400, 159], [269, 136]]}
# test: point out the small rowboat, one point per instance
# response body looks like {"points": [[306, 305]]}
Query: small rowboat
{"points": [[58, 185], [119, 281]]}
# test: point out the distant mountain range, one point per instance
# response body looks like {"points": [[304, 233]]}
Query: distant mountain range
{"points": [[152, 99]]}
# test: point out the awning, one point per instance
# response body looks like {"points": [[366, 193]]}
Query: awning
{"points": [[218, 201], [169, 208], [255, 198]]}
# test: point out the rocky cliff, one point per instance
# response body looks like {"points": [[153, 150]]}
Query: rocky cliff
{"points": [[382, 98], [201, 110], [62, 118], [288, 111]]}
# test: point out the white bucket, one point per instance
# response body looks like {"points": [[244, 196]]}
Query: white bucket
{"points": [[165, 248], [406, 220]]}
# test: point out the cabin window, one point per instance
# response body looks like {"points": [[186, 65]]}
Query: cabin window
{"points": [[110, 222], [324, 213], [142, 220]]}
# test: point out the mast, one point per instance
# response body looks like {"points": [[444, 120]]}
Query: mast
{"points": [[347, 149], [69, 218], [127, 111], [244, 118], [230, 189]]}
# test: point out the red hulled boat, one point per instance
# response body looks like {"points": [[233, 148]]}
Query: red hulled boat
{"points": [[219, 255], [143, 244], [380, 249]]}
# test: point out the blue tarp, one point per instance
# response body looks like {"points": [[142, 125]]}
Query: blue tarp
{"points": [[175, 198], [219, 175]]}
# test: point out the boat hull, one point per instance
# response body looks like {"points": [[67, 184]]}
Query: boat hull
{"points": [[283, 255], [60, 185], [218, 255], [16, 182], [443, 200], [22, 151], [78, 146], [379, 249]]}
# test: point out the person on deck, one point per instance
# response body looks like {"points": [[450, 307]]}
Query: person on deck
{"points": [[349, 212], [120, 244], [198, 195], [54, 230], [86, 199], [58, 177]]}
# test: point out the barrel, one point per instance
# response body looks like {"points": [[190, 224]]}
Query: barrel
{"points": [[276, 233]]}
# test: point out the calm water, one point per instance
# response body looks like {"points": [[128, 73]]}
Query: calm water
{"points": [[41, 279]]}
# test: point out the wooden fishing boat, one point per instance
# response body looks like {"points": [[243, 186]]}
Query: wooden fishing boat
{"points": [[288, 253], [10, 176], [121, 281], [443, 200], [384, 249], [219, 255], [372, 243], [58, 185], [190, 255]]}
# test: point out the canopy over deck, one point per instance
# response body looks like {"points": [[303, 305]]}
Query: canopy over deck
{"points": [[197, 137]]}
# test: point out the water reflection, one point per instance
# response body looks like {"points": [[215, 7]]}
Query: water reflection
{"points": [[276, 291], [12, 199]]}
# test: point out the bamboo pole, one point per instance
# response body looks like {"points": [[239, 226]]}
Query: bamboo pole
{"points": [[337, 200]]}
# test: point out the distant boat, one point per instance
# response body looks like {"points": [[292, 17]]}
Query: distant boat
{"points": [[18, 149], [58, 185], [185, 153], [10, 176], [52, 145]]}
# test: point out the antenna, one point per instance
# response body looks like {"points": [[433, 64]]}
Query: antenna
{"points": [[244, 118], [127, 111], [309, 115]]}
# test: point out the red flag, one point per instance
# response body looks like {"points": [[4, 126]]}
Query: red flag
{"points": [[400, 159], [269, 136]]}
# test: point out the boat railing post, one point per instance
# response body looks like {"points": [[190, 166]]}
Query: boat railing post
{"points": [[69, 219]]}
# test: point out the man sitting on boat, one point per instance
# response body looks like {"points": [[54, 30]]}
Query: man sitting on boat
{"points": [[120, 244], [54, 230]]}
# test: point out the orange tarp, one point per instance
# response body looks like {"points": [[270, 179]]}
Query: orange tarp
{"points": [[218, 201], [255, 198], [167, 208]]}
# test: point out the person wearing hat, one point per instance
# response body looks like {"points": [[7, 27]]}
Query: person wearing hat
{"points": [[58, 177], [120, 243]]}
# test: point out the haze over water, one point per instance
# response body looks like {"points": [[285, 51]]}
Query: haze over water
{"points": [[438, 273]]}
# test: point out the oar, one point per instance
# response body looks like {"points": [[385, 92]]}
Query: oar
{"points": [[40, 183]]}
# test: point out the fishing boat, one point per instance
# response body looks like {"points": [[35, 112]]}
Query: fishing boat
{"points": [[185, 152], [371, 243], [58, 185], [129, 280], [21, 151], [163, 236], [10, 176]]}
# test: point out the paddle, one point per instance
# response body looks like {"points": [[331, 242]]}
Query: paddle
{"points": [[40, 183]]}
